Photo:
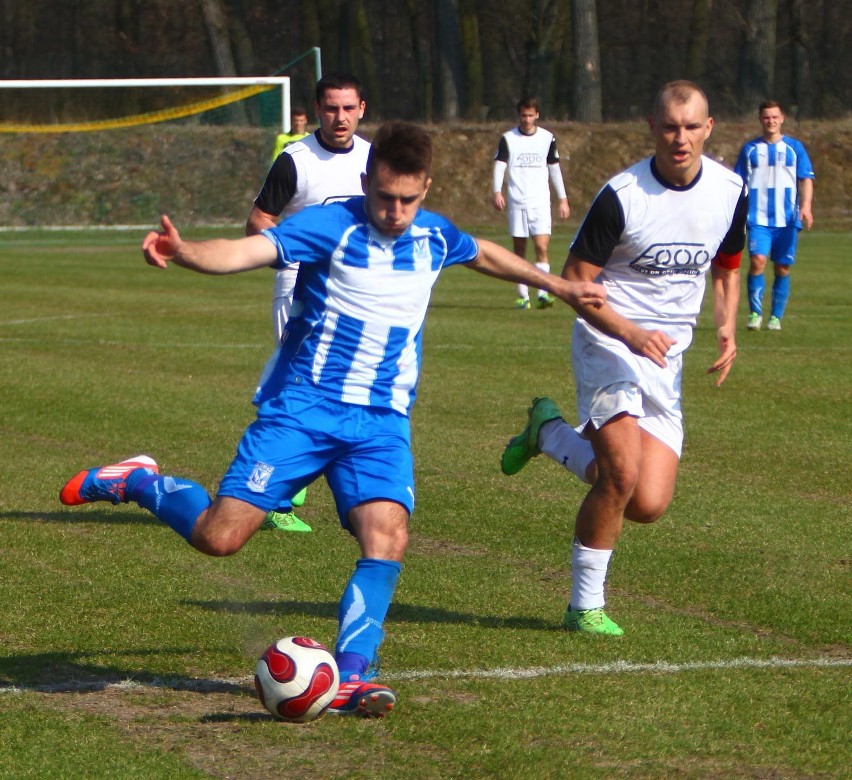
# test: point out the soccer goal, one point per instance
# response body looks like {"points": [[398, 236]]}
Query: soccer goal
{"points": [[81, 105]]}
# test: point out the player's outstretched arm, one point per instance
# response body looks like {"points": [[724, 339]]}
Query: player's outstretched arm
{"points": [[494, 260], [217, 256], [726, 296]]}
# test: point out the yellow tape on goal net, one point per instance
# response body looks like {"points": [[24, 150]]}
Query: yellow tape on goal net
{"points": [[193, 108]]}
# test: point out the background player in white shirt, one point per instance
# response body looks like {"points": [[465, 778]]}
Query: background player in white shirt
{"points": [[529, 154], [321, 168], [651, 235], [780, 178]]}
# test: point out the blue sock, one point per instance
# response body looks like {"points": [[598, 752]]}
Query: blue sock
{"points": [[362, 611], [177, 502], [780, 295], [756, 286]]}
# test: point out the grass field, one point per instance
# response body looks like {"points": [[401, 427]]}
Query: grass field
{"points": [[125, 654]]}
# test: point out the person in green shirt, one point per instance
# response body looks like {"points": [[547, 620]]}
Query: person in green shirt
{"points": [[298, 130]]}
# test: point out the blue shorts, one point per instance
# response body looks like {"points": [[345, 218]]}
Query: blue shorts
{"points": [[777, 243], [363, 452]]}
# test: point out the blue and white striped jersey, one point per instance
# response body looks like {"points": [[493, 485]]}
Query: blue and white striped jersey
{"points": [[355, 328], [772, 172]]}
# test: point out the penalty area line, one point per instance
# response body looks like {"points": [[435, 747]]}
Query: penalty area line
{"points": [[238, 684]]}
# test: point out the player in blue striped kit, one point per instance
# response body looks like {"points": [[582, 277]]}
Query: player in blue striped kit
{"points": [[337, 400], [780, 178]]}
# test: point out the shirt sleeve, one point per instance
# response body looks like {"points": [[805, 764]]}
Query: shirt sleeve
{"points": [[555, 172], [279, 187], [734, 241], [498, 175], [502, 150], [804, 166], [601, 229]]}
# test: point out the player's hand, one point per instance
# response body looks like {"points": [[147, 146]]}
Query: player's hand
{"points": [[564, 209], [499, 201], [160, 247], [651, 344], [727, 355], [584, 294], [807, 218]]}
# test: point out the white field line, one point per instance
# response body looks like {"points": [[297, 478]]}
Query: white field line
{"points": [[228, 685]]}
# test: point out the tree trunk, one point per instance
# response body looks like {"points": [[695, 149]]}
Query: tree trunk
{"points": [[450, 69], [474, 80], [538, 76], [699, 33], [220, 44], [802, 88], [757, 63], [587, 75]]}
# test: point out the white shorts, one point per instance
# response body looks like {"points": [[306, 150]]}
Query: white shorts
{"points": [[529, 221], [611, 380]]}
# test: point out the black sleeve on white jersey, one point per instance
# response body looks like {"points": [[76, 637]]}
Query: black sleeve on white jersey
{"points": [[279, 187], [502, 150], [601, 229], [552, 153], [734, 241]]}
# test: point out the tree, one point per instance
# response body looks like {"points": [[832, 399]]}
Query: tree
{"points": [[699, 34], [449, 61], [587, 77], [757, 63]]}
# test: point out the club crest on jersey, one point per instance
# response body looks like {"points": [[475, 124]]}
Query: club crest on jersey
{"points": [[674, 258], [259, 478], [421, 249]]}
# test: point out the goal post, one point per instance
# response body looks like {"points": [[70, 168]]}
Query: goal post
{"points": [[23, 112]]}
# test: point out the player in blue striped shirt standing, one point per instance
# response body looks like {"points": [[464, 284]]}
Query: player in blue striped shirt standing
{"points": [[780, 178]]}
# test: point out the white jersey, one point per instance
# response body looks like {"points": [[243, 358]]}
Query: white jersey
{"points": [[323, 175], [308, 173], [527, 160], [655, 242]]}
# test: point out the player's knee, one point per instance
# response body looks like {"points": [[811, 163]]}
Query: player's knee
{"points": [[647, 509], [218, 548], [619, 480]]}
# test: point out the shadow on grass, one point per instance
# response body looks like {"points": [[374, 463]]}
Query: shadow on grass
{"points": [[400, 613], [70, 516], [71, 672]]}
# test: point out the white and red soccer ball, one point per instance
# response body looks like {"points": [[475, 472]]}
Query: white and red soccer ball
{"points": [[296, 679]]}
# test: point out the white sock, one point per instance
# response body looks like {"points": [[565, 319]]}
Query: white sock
{"points": [[545, 268], [588, 574], [560, 441], [523, 291]]}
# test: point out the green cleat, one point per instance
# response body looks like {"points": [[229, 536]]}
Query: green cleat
{"points": [[300, 497], [590, 621], [754, 321], [278, 521], [522, 303], [773, 324], [545, 301], [524, 447]]}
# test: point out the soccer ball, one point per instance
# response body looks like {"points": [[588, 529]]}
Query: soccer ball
{"points": [[296, 679]]}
